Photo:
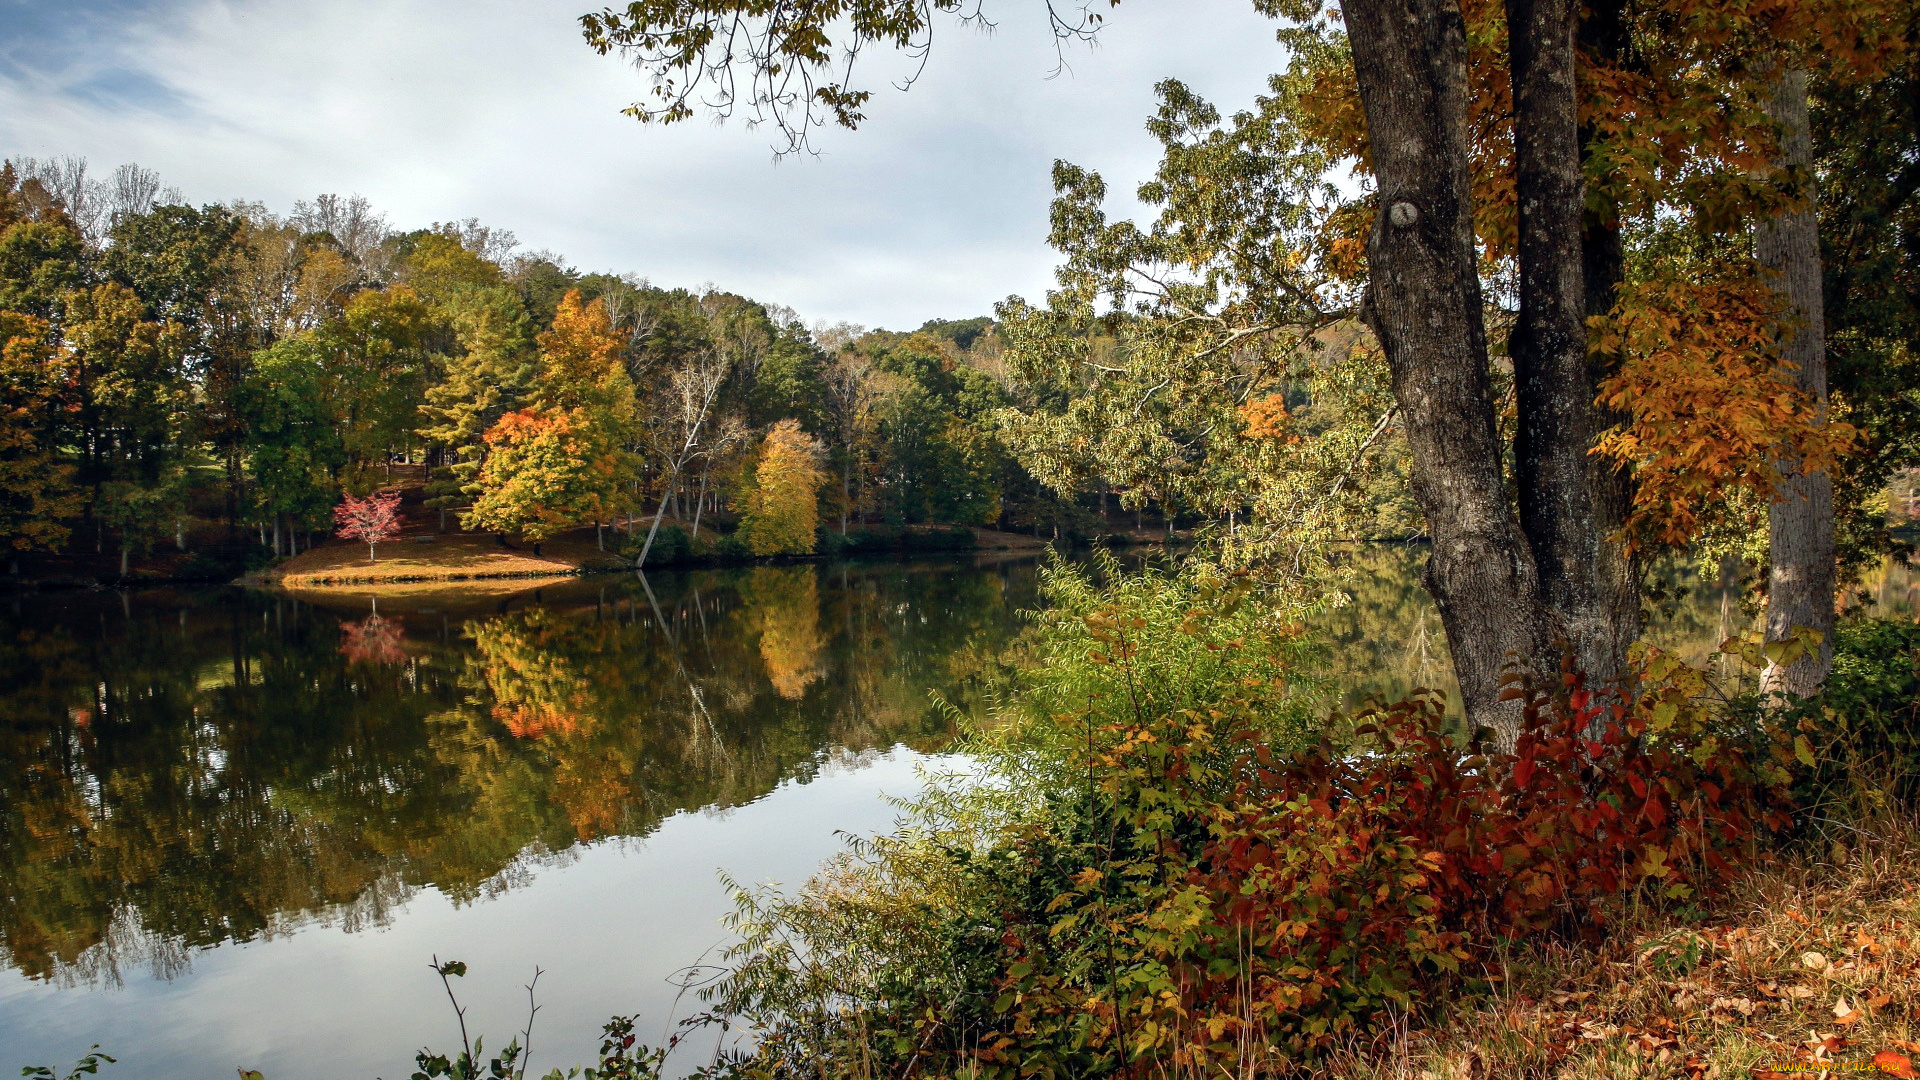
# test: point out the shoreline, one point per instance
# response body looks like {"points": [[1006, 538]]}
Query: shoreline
{"points": [[431, 558]]}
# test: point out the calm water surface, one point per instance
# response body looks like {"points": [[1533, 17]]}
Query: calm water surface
{"points": [[235, 827]]}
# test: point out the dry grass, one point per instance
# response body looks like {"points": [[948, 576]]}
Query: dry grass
{"points": [[448, 557], [1810, 968]]}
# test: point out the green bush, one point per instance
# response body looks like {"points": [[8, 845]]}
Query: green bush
{"points": [[671, 546], [1867, 720], [900, 539], [730, 548]]}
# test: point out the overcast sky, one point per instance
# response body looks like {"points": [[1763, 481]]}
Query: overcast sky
{"points": [[444, 109]]}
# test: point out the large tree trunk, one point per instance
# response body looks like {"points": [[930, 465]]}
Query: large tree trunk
{"points": [[1800, 587], [1424, 304], [1585, 578]]}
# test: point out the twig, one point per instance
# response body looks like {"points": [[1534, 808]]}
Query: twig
{"points": [[526, 1036]]}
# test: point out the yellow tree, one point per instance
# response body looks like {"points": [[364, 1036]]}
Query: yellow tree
{"points": [[583, 376], [784, 509], [36, 490]]}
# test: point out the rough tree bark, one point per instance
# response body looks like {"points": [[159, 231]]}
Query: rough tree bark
{"points": [[1603, 39], [1800, 586], [1586, 579], [1424, 304]]}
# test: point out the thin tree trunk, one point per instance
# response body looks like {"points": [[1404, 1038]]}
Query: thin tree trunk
{"points": [[1584, 578], [654, 529], [700, 502], [126, 554], [1800, 586], [1424, 304]]}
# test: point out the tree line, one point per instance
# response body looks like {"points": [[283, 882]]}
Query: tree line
{"points": [[161, 357]]}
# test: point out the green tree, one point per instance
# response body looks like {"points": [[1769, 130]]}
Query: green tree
{"points": [[295, 453], [783, 510], [133, 408], [371, 367], [41, 252], [490, 373], [436, 264]]}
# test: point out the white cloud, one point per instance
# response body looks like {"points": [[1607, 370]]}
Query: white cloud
{"points": [[443, 109]]}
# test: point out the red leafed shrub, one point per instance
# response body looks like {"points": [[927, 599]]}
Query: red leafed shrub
{"points": [[1263, 920]]}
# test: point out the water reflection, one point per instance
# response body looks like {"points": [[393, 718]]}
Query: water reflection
{"points": [[182, 769]]}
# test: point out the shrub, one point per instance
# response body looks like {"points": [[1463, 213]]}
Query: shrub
{"points": [[730, 548], [1866, 722], [938, 538], [671, 546], [1156, 872]]}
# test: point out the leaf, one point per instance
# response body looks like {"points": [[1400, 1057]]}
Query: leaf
{"points": [[1803, 750], [1894, 1063]]}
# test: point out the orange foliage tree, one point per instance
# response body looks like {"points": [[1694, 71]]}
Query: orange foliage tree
{"points": [[543, 474]]}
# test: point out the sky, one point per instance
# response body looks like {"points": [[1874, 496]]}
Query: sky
{"points": [[438, 110]]}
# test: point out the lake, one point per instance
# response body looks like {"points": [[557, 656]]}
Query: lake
{"points": [[236, 826]]}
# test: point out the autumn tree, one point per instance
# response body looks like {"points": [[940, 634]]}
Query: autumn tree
{"points": [[542, 476], [583, 376], [371, 520], [36, 488], [1526, 138], [783, 511]]}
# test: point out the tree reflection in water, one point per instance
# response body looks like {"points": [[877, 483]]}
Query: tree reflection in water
{"points": [[189, 768]]}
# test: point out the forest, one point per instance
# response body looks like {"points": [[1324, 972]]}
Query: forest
{"points": [[180, 377]]}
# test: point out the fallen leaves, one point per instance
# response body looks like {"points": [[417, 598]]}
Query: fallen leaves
{"points": [[1894, 1063]]}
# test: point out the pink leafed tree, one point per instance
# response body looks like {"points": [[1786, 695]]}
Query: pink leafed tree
{"points": [[369, 520]]}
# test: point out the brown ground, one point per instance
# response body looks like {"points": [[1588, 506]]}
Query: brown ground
{"points": [[1810, 968]]}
